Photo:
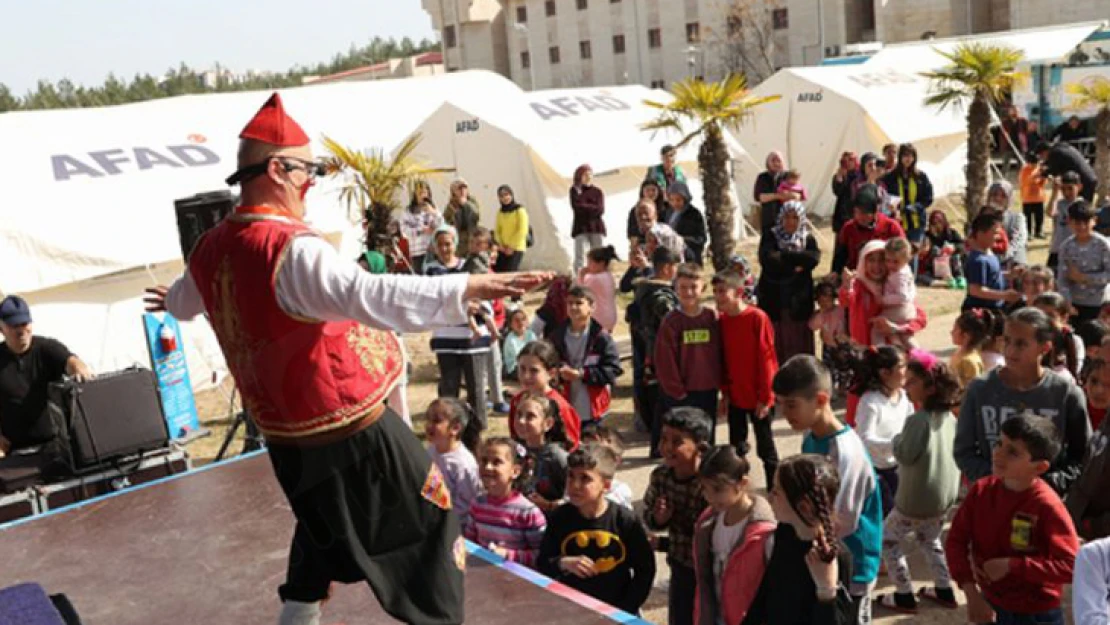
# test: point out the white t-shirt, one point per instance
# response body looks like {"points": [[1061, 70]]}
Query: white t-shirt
{"points": [[460, 470], [878, 420], [723, 542], [620, 493]]}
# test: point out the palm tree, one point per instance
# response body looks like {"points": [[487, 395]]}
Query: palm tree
{"points": [[1094, 92], [372, 181], [712, 107], [978, 75]]}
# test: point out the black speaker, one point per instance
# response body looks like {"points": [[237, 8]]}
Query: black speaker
{"points": [[199, 214]]}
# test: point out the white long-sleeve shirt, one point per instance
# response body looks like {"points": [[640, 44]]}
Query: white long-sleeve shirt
{"points": [[878, 420], [1090, 589], [314, 282]]}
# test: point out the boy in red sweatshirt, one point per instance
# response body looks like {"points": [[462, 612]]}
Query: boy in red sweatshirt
{"points": [[1012, 545], [750, 365], [688, 354]]}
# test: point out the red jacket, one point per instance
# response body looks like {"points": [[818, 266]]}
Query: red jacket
{"points": [[688, 353], [298, 377], [743, 573], [1031, 528], [571, 422], [853, 236], [750, 361]]}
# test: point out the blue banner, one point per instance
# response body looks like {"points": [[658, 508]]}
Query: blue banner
{"points": [[167, 358]]}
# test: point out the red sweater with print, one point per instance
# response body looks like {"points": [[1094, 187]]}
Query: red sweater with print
{"points": [[750, 362], [688, 353], [1032, 528]]}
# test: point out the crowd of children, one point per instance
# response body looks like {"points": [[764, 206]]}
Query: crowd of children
{"points": [[1007, 421]]}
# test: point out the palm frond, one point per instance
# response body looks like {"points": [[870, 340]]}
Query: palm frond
{"points": [[726, 103], [1093, 92], [373, 178], [974, 68]]}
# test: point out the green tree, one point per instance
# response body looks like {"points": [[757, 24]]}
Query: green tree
{"points": [[978, 76], [1095, 93], [711, 108], [8, 102]]}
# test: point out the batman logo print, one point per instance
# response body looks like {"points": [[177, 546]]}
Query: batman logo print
{"points": [[604, 548]]}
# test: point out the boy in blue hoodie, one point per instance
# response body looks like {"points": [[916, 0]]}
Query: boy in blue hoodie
{"points": [[803, 387]]}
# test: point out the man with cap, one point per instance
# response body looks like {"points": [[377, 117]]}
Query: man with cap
{"points": [[28, 364], [307, 336]]}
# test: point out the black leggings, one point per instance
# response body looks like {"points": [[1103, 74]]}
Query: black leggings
{"points": [[1034, 217]]}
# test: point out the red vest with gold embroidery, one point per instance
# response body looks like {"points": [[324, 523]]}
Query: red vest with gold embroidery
{"points": [[297, 377]]}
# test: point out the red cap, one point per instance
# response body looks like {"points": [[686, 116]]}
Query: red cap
{"points": [[271, 125]]}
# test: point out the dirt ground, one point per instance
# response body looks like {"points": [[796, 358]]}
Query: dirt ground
{"points": [[940, 304]]}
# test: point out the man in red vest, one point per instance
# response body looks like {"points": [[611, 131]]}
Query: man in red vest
{"points": [[307, 336]]}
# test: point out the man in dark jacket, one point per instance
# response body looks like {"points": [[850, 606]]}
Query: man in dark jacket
{"points": [[687, 221], [1061, 158]]}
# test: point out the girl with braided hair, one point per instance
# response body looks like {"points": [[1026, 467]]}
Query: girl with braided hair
{"points": [[807, 572]]}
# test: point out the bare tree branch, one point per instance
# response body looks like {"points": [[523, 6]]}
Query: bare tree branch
{"points": [[748, 44]]}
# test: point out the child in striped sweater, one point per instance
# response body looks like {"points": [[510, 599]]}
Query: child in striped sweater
{"points": [[502, 520]]}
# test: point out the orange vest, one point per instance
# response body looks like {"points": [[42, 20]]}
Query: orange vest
{"points": [[298, 377]]}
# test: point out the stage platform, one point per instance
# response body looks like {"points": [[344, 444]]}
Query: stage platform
{"points": [[210, 547]]}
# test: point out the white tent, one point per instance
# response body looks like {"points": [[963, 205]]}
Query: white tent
{"points": [[91, 222], [825, 111], [535, 146]]}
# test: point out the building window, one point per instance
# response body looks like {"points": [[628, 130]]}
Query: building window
{"points": [[549, 7], [614, 1], [525, 60], [658, 84], [553, 54], [449, 36], [655, 38], [585, 50], [618, 44], [693, 32], [582, 5], [780, 18], [521, 14], [735, 26]]}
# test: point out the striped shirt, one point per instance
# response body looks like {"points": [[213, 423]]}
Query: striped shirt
{"points": [[513, 523]]}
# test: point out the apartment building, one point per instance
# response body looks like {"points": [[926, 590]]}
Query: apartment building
{"points": [[544, 44], [426, 64]]}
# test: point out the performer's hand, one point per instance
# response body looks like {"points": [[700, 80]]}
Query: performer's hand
{"points": [[155, 299], [500, 285], [578, 566]]}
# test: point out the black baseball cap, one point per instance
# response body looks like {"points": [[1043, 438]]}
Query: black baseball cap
{"points": [[14, 311]]}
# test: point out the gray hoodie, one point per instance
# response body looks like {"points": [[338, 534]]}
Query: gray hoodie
{"points": [[988, 403]]}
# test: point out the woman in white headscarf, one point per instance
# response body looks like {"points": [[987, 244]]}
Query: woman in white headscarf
{"points": [[788, 254]]}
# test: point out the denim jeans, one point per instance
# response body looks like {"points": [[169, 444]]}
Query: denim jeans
{"points": [[1052, 617]]}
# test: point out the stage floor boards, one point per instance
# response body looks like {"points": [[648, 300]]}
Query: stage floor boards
{"points": [[210, 547]]}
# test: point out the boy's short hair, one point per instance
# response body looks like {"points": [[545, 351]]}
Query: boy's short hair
{"points": [[603, 435], [985, 221], [664, 256], [666, 149], [595, 457], [1092, 332], [802, 376], [688, 271], [730, 278], [1053, 301], [1039, 435], [1080, 210], [692, 421], [1070, 177], [867, 199], [581, 292]]}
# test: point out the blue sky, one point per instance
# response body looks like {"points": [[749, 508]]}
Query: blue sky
{"points": [[84, 40]]}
